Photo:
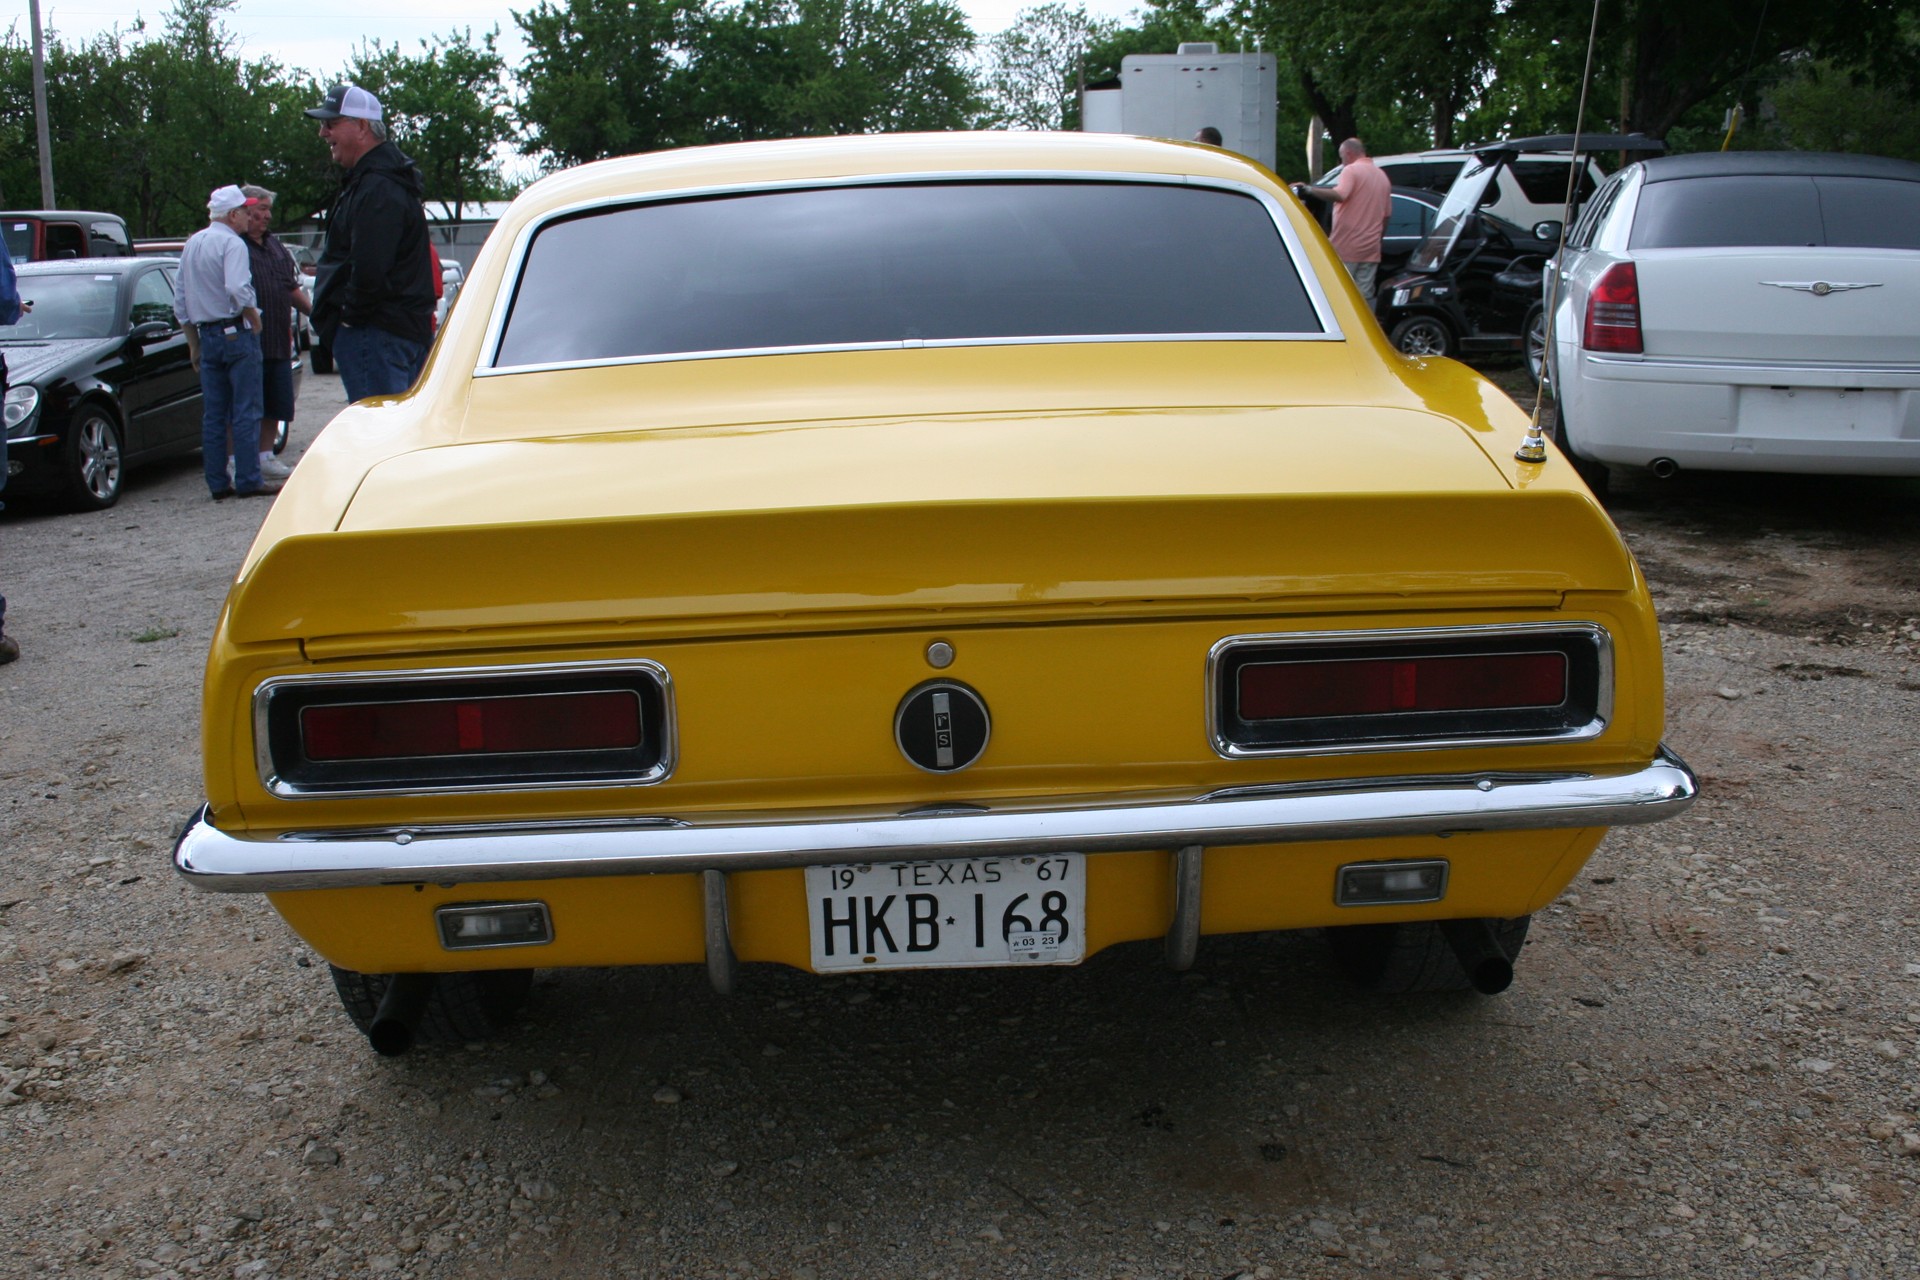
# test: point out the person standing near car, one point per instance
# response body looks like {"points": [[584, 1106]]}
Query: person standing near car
{"points": [[373, 291], [218, 308], [1362, 200], [276, 283]]}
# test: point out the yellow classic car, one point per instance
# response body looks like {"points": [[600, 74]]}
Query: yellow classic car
{"points": [[918, 552]]}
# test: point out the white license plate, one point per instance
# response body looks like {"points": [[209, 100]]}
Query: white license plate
{"points": [[952, 913]]}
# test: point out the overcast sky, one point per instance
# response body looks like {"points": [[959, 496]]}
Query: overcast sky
{"points": [[321, 37]]}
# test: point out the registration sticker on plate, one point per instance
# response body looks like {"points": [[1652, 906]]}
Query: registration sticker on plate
{"points": [[952, 913]]}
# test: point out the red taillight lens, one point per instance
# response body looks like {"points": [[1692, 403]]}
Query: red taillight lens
{"points": [[1613, 311], [1388, 686], [472, 726]]}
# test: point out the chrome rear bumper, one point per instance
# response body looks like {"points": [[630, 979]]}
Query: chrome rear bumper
{"points": [[1351, 809]]}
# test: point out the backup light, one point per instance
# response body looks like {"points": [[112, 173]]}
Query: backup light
{"points": [[1379, 884], [474, 926]]}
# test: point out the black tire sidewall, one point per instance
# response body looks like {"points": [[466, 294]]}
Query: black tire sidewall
{"points": [[77, 491], [1438, 325]]}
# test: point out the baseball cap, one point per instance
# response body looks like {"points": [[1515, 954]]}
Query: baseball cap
{"points": [[227, 199], [346, 100]]}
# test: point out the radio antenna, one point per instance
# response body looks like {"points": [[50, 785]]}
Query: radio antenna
{"points": [[1534, 447]]}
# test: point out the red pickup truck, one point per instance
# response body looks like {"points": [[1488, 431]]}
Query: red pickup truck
{"points": [[33, 235]]}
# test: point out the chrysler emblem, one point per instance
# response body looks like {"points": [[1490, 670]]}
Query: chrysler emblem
{"points": [[1821, 288], [941, 726]]}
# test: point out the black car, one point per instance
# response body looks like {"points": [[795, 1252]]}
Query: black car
{"points": [[98, 378], [1474, 298], [1408, 222]]}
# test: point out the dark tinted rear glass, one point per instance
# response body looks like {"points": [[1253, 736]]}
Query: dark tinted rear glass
{"points": [[909, 263], [1545, 182], [1870, 213], [1695, 213], [1430, 175]]}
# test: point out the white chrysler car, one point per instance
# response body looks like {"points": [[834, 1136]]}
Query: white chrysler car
{"points": [[1744, 311]]}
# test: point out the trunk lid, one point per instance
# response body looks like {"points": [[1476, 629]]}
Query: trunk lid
{"points": [[877, 523], [1789, 306]]}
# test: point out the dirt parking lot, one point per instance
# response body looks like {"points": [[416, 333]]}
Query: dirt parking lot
{"points": [[1705, 1068]]}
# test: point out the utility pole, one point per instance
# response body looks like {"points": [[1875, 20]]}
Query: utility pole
{"points": [[40, 110]]}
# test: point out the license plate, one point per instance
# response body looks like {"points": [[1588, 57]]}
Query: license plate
{"points": [[952, 913]]}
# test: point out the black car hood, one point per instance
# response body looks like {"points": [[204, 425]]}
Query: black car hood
{"points": [[38, 359]]}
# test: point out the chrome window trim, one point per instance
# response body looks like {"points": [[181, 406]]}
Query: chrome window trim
{"points": [[281, 788], [1603, 708], [1330, 330]]}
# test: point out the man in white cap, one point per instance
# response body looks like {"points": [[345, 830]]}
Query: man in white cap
{"points": [[216, 305], [373, 287]]}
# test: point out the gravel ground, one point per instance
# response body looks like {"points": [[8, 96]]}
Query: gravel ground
{"points": [[1706, 1067]]}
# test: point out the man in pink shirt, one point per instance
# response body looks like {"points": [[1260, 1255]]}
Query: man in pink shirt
{"points": [[1362, 199]]}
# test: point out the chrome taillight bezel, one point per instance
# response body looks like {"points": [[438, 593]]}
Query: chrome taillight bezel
{"points": [[285, 771], [1588, 712]]}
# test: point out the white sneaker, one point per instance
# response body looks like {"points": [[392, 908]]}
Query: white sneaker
{"points": [[272, 466]]}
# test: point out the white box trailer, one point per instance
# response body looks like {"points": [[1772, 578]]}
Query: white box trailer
{"points": [[1175, 95]]}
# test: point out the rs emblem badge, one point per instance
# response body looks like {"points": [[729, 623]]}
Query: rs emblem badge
{"points": [[941, 726]]}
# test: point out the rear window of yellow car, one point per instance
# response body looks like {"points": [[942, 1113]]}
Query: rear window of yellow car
{"points": [[903, 264]]}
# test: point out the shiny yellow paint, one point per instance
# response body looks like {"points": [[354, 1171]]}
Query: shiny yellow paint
{"points": [[787, 534]]}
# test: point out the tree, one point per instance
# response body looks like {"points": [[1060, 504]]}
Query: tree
{"points": [[1035, 68], [146, 127], [603, 77], [609, 77], [884, 66], [447, 109], [1659, 61], [809, 68], [1398, 72]]}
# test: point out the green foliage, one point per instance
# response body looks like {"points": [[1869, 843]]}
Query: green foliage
{"points": [[1819, 106], [607, 78], [604, 77], [147, 126]]}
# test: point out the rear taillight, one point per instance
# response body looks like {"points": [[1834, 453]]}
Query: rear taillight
{"points": [[472, 726], [1613, 311], [1371, 691], [583, 724], [1384, 686]]}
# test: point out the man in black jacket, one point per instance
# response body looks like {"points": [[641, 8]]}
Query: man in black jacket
{"points": [[373, 289]]}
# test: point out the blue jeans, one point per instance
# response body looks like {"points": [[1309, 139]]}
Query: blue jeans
{"points": [[375, 362], [230, 384]]}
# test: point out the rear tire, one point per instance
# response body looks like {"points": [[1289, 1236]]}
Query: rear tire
{"points": [[1594, 473], [1398, 959], [1423, 336], [277, 442], [463, 1007], [1534, 332]]}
